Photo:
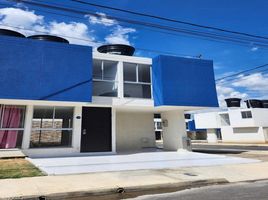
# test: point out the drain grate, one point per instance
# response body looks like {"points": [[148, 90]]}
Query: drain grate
{"points": [[190, 174]]}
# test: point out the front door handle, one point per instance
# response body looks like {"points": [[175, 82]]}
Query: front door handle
{"points": [[84, 132]]}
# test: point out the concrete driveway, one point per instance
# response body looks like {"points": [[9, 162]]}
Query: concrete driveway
{"points": [[134, 161]]}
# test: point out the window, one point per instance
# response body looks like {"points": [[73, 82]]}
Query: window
{"points": [[52, 127], [187, 125], [246, 114], [225, 120], [159, 125], [137, 80], [11, 126], [105, 78]]}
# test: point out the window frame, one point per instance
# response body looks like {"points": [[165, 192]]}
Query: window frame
{"points": [[53, 125], [102, 79], [2, 106], [137, 82], [246, 114]]}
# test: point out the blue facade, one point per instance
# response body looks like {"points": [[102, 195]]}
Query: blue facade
{"points": [[41, 70], [183, 82]]}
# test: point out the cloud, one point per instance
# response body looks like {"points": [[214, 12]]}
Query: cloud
{"points": [[78, 32], [119, 35], [228, 92], [29, 23], [254, 49], [101, 19], [253, 86], [255, 82], [20, 18]]}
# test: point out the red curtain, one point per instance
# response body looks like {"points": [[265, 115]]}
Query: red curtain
{"points": [[11, 117]]}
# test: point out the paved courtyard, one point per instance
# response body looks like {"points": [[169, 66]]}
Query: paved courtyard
{"points": [[134, 161]]}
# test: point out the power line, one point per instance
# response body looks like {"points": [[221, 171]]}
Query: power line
{"points": [[99, 43], [171, 20], [212, 36], [242, 72]]}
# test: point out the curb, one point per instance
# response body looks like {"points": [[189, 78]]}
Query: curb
{"points": [[125, 192]]}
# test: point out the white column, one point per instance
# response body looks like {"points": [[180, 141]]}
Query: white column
{"points": [[27, 127], [120, 80], [77, 123], [113, 130], [212, 136], [174, 129]]}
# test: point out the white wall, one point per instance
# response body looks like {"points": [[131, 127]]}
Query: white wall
{"points": [[208, 120], [260, 116], [134, 130], [174, 129], [243, 135]]}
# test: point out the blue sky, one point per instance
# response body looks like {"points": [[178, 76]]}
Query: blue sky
{"points": [[240, 15]]}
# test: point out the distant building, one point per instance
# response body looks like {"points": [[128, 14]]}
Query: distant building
{"points": [[238, 125]]}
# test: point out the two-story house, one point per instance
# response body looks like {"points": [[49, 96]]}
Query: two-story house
{"points": [[61, 99]]}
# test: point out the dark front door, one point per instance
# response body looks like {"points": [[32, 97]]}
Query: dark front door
{"points": [[96, 133]]}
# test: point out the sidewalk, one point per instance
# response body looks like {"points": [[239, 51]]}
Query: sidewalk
{"points": [[204, 142], [57, 187]]}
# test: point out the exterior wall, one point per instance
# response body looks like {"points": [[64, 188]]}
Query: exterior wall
{"points": [[207, 120], [173, 87], [174, 129], [236, 119], [212, 136], [41, 70], [134, 131], [243, 135]]}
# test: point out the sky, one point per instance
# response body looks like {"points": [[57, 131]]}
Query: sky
{"points": [[79, 28]]}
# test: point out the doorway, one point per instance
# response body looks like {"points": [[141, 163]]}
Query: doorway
{"points": [[96, 132]]}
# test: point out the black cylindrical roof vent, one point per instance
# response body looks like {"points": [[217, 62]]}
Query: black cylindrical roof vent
{"points": [[8, 32], [50, 38], [233, 102], [264, 103], [254, 103], [118, 49]]}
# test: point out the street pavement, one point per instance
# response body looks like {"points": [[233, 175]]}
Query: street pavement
{"points": [[238, 191]]}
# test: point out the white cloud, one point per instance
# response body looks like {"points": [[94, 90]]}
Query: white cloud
{"points": [[253, 86], [101, 19], [119, 35], [77, 32], [29, 23], [254, 82], [228, 92], [20, 18], [254, 49]]}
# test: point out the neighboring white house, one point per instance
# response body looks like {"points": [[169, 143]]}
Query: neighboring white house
{"points": [[237, 125], [59, 99]]}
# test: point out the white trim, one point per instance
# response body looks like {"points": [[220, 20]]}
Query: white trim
{"points": [[113, 130], [27, 127], [120, 58], [120, 71]]}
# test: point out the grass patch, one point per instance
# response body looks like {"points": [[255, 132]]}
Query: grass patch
{"points": [[17, 168]]}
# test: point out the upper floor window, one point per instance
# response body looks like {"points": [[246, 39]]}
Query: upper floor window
{"points": [[137, 80], [105, 81], [225, 120], [246, 114]]}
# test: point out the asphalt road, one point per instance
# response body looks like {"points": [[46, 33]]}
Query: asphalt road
{"points": [[239, 191]]}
